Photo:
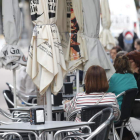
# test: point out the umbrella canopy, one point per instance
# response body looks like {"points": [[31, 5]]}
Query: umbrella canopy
{"points": [[10, 55], [69, 3], [96, 52], [106, 37], [77, 52], [63, 24], [46, 64]]}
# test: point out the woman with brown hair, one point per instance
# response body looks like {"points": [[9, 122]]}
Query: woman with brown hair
{"points": [[96, 85], [123, 79]]}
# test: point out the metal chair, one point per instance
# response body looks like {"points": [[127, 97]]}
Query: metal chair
{"points": [[8, 95], [96, 134], [32, 98], [99, 117], [126, 108]]}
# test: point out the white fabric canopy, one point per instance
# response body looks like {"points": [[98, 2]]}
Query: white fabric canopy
{"points": [[46, 64], [69, 2], [77, 50], [106, 37], [62, 23], [96, 52], [10, 55]]}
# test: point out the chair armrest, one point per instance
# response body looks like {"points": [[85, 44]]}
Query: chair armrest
{"points": [[23, 115], [137, 100], [8, 99], [121, 94], [78, 137], [29, 104], [73, 113], [33, 100], [62, 131], [72, 130], [9, 116], [95, 116]]}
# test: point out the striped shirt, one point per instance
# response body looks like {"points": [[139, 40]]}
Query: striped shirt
{"points": [[84, 100]]}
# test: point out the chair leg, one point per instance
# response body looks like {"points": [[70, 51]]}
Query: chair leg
{"points": [[116, 135], [132, 130], [113, 128], [29, 137], [121, 132]]}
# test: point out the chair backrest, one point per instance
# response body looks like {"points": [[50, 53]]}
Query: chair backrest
{"points": [[57, 99], [9, 86], [127, 104], [88, 112], [10, 98]]}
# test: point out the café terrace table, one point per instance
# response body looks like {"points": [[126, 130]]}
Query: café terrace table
{"points": [[55, 109], [40, 130]]}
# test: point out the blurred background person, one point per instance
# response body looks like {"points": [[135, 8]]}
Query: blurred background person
{"points": [[123, 79], [137, 45], [126, 40], [114, 52], [134, 58], [25, 85]]}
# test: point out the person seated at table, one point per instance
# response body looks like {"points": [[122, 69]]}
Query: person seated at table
{"points": [[114, 52], [96, 86], [25, 85], [123, 79]]}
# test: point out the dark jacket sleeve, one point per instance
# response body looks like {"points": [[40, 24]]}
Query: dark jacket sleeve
{"points": [[134, 38], [137, 77], [120, 40]]}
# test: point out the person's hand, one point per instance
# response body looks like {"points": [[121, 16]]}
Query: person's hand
{"points": [[65, 101]]}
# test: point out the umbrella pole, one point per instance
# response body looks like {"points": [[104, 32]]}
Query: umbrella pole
{"points": [[14, 84], [77, 81], [49, 111]]}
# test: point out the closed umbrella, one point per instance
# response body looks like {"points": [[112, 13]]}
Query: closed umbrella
{"points": [[62, 23], [46, 64], [96, 52], [69, 3], [77, 51], [106, 37], [10, 55]]}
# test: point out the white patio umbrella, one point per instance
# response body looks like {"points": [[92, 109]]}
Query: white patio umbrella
{"points": [[106, 37], [46, 64], [77, 50], [62, 24], [96, 52], [10, 55], [69, 2]]}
